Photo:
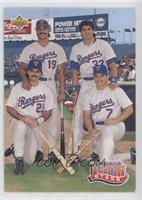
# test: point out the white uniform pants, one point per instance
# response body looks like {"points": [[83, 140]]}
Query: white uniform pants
{"points": [[26, 141], [104, 144], [52, 121], [86, 88]]}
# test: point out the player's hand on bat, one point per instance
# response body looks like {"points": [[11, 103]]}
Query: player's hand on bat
{"points": [[74, 97], [30, 121], [109, 122], [60, 98], [94, 133], [26, 84]]}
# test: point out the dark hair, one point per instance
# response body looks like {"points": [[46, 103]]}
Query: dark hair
{"points": [[86, 23], [131, 67], [43, 22]]}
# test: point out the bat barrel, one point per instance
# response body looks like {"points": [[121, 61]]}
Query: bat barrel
{"points": [[62, 137]]}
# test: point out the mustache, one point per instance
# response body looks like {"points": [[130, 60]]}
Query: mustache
{"points": [[42, 33], [34, 76]]}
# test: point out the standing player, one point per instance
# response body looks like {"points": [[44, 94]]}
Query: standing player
{"points": [[108, 109], [84, 56], [29, 109], [53, 59]]}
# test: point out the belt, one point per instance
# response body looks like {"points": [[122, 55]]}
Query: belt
{"points": [[88, 78], [100, 123], [45, 79]]}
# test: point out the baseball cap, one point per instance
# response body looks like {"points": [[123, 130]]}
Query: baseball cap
{"points": [[35, 64], [100, 69], [42, 22]]}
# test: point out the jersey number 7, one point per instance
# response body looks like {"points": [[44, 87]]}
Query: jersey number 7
{"points": [[109, 112]]}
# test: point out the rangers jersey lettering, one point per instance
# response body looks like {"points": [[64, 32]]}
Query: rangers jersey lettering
{"points": [[51, 56], [102, 104], [24, 102], [31, 102], [83, 58], [106, 103]]}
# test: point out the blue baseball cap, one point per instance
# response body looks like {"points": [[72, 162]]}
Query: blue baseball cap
{"points": [[44, 23], [35, 64], [100, 69]]}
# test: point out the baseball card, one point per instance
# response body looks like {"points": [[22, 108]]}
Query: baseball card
{"points": [[70, 90]]}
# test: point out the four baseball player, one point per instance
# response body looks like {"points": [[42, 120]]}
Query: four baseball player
{"points": [[32, 102]]}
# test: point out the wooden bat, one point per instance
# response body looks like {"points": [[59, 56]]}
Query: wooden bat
{"points": [[74, 156], [56, 152], [62, 138], [71, 138]]}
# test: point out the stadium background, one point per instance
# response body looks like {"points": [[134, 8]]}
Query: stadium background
{"points": [[14, 44]]}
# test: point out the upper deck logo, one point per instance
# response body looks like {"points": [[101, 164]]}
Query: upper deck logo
{"points": [[112, 172], [19, 22]]}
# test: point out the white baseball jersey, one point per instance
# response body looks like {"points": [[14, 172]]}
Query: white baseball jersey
{"points": [[106, 103], [83, 58], [31, 102], [50, 55]]}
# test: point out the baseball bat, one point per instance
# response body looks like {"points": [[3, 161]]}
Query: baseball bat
{"points": [[74, 156], [62, 141], [71, 137], [56, 152]]}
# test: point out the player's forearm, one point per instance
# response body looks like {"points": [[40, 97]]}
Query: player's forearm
{"points": [[43, 117], [125, 114], [113, 70], [14, 113], [75, 77], [62, 79], [88, 122], [46, 114]]}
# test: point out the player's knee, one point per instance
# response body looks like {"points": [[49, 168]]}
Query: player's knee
{"points": [[21, 126], [107, 131]]}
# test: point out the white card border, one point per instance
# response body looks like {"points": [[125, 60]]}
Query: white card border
{"points": [[86, 196]]}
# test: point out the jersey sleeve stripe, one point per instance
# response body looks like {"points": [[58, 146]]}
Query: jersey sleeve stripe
{"points": [[112, 60], [74, 65]]}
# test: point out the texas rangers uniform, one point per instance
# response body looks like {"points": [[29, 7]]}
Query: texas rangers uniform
{"points": [[51, 56], [84, 58], [104, 104], [28, 102]]}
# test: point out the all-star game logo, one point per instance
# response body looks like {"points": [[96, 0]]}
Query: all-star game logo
{"points": [[112, 172], [19, 22]]}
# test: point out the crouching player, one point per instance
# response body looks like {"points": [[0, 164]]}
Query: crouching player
{"points": [[29, 109], [108, 109]]}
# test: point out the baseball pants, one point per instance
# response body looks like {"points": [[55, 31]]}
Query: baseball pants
{"points": [[86, 88], [104, 145], [26, 141]]}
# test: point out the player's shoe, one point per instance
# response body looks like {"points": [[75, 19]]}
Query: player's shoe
{"points": [[39, 156], [76, 161], [94, 158], [19, 166], [133, 155], [52, 158], [9, 151]]}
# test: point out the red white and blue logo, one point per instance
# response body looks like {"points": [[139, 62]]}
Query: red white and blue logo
{"points": [[109, 172]]}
